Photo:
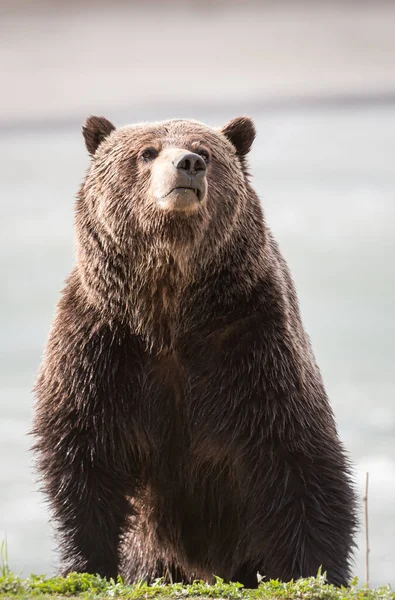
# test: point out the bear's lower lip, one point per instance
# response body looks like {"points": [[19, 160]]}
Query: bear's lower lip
{"points": [[181, 199], [183, 188]]}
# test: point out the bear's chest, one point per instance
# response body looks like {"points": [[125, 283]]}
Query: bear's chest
{"points": [[190, 411]]}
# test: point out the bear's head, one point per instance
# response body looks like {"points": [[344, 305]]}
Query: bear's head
{"points": [[171, 182], [165, 204]]}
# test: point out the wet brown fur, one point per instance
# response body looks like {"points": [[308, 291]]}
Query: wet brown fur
{"points": [[182, 427]]}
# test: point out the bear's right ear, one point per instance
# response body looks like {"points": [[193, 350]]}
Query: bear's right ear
{"points": [[95, 130]]}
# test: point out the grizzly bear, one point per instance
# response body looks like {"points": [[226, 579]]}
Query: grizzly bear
{"points": [[182, 426]]}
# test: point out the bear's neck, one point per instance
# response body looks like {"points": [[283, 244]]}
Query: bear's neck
{"points": [[161, 293], [158, 286], [143, 289]]}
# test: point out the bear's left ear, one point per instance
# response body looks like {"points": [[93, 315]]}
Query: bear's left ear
{"points": [[241, 132], [95, 130]]}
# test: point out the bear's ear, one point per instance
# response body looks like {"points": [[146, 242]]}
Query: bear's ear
{"points": [[95, 130], [241, 132]]}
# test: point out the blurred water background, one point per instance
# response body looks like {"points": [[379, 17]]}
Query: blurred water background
{"points": [[319, 80]]}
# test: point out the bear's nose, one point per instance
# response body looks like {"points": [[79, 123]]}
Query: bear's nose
{"points": [[190, 162]]}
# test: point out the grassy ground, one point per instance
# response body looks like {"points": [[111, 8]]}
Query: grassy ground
{"points": [[93, 587], [86, 586]]}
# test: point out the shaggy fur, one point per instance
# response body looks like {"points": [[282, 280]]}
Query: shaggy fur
{"points": [[182, 427]]}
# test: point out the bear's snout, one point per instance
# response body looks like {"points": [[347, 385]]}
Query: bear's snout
{"points": [[179, 180]]}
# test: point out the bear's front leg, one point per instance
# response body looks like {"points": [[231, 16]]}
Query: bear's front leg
{"points": [[309, 519], [91, 510], [89, 500], [265, 409], [84, 441]]}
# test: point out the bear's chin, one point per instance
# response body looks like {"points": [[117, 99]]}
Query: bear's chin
{"points": [[178, 228], [181, 200]]}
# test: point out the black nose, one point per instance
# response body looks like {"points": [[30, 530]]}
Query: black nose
{"points": [[190, 162]]}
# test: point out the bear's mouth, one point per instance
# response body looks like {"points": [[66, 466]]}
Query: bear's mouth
{"points": [[185, 189]]}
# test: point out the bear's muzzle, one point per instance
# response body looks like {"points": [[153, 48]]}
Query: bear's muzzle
{"points": [[179, 180]]}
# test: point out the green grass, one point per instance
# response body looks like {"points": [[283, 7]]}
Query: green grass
{"points": [[93, 587], [86, 586]]}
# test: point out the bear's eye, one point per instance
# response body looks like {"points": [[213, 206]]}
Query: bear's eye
{"points": [[149, 154], [204, 154]]}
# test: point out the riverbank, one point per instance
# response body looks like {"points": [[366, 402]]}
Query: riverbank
{"points": [[93, 588]]}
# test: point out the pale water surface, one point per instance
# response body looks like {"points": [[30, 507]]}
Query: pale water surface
{"points": [[327, 181]]}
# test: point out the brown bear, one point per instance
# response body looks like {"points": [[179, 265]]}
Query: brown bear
{"points": [[182, 427]]}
